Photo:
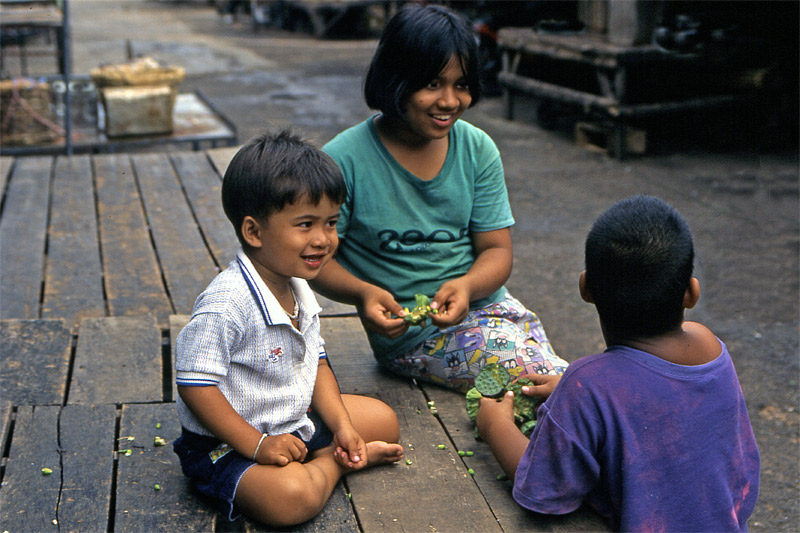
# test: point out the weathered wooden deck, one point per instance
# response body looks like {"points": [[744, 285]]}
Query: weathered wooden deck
{"points": [[101, 258]]}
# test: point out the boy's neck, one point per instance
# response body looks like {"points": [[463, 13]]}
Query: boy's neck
{"points": [[689, 345], [279, 286]]}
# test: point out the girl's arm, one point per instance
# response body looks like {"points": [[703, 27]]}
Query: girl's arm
{"points": [[378, 306], [495, 422], [327, 402], [217, 415], [491, 269]]}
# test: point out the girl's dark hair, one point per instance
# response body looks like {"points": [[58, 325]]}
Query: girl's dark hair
{"points": [[416, 45], [639, 261], [273, 170]]}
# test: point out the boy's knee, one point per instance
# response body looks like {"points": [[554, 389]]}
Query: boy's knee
{"points": [[307, 497], [392, 425], [289, 500]]}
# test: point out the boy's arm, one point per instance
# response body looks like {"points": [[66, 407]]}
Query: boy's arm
{"points": [[378, 305], [327, 402], [496, 426], [217, 415]]}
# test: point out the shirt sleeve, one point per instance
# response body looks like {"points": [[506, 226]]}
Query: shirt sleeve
{"points": [[203, 350], [556, 471], [491, 209]]}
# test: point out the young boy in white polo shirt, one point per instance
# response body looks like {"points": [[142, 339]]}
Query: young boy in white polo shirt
{"points": [[266, 431]]}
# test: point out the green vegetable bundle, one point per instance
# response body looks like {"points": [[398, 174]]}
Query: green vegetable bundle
{"points": [[420, 313], [493, 381]]}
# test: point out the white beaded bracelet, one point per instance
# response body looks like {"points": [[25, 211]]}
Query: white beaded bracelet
{"points": [[258, 446]]}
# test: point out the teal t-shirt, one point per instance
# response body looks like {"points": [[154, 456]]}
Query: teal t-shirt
{"points": [[408, 235]]}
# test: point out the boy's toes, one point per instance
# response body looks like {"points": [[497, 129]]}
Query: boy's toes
{"points": [[379, 452]]}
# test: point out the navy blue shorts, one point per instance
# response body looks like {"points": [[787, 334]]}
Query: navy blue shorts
{"points": [[215, 468]]}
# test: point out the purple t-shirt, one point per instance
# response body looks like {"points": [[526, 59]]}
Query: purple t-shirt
{"points": [[651, 445]]}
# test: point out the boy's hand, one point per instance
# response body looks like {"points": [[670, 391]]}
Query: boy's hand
{"points": [[379, 306], [493, 411], [544, 385], [281, 450], [452, 303], [351, 450]]}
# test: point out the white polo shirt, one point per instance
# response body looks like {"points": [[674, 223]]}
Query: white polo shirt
{"points": [[241, 340]]}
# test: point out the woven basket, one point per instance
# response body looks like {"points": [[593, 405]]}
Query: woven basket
{"points": [[144, 71], [27, 115]]}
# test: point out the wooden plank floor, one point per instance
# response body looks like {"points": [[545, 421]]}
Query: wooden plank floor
{"points": [[101, 258]]}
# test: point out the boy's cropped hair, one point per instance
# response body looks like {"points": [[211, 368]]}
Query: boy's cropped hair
{"points": [[639, 261], [275, 169], [415, 46]]}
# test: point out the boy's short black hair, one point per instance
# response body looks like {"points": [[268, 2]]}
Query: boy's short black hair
{"points": [[415, 46], [639, 261], [275, 169]]}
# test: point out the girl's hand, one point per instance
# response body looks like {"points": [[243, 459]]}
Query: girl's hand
{"points": [[351, 450], [493, 411], [544, 385], [452, 303], [382, 314], [281, 450]]}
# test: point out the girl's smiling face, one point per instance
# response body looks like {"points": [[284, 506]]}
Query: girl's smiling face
{"points": [[432, 110]]}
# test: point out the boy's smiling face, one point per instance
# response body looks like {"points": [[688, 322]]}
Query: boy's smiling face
{"points": [[296, 241]]}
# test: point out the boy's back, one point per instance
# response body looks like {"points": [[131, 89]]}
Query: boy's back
{"points": [[653, 432], [658, 446]]}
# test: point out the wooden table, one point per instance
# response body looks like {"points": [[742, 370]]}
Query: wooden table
{"points": [[623, 85], [20, 16], [101, 258], [196, 123]]}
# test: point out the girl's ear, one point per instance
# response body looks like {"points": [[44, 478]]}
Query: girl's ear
{"points": [[251, 232], [585, 294], [692, 294]]}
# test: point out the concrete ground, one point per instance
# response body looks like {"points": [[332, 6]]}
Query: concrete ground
{"points": [[739, 194]]}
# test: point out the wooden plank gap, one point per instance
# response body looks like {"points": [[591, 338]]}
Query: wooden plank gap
{"points": [[185, 261], [132, 277], [203, 188], [118, 360], [24, 223], [73, 287], [152, 492], [35, 359]]}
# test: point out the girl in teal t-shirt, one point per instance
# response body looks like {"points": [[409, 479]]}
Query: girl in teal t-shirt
{"points": [[427, 212]]}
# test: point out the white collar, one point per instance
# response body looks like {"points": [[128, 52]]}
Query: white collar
{"points": [[271, 310]]}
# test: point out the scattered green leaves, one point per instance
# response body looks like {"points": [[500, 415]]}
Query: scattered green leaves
{"points": [[47, 471], [493, 381], [419, 315]]}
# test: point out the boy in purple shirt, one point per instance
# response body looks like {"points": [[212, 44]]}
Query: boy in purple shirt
{"points": [[653, 433]]}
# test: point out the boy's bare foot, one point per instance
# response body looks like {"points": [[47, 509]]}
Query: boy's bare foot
{"points": [[380, 452]]}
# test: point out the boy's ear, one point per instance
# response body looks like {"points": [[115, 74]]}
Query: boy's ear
{"points": [[585, 294], [692, 294], [251, 231]]}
